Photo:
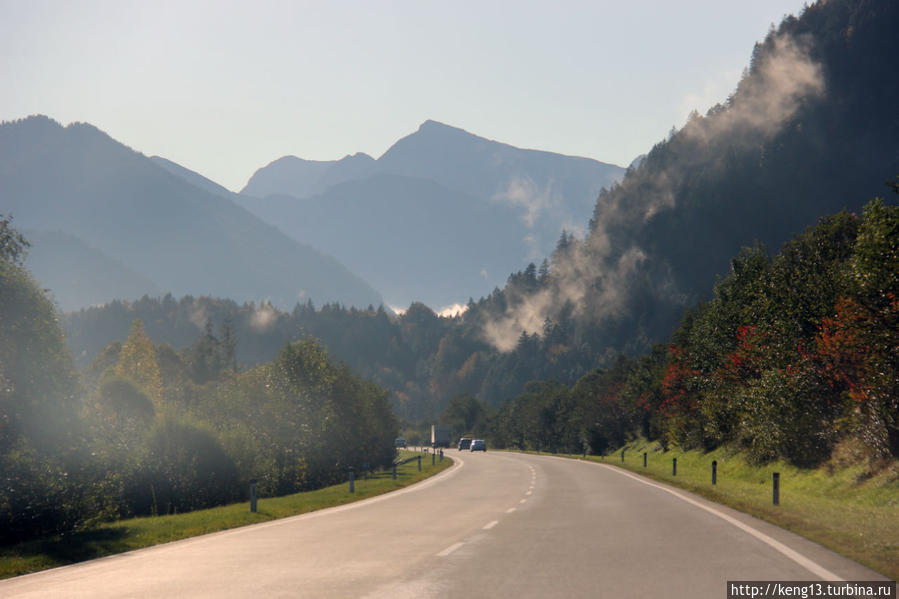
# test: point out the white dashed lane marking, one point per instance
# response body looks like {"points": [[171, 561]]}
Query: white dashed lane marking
{"points": [[449, 549]]}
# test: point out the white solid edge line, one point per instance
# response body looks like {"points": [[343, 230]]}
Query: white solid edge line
{"points": [[797, 557], [449, 549], [490, 525]]}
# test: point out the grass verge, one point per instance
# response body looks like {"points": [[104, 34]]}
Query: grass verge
{"points": [[840, 505], [136, 533]]}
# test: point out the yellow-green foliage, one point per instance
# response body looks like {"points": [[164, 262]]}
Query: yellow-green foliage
{"points": [[138, 361]]}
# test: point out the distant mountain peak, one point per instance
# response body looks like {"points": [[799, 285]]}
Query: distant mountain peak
{"points": [[437, 125], [430, 129], [357, 157]]}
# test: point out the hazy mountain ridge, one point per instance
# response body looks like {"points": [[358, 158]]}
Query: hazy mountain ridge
{"points": [[529, 197], [80, 275], [300, 178], [187, 240], [449, 240], [195, 179]]}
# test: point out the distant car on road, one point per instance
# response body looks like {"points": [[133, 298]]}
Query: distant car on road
{"points": [[478, 445], [464, 443], [400, 442]]}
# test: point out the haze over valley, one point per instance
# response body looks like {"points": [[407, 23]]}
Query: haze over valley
{"points": [[720, 313]]}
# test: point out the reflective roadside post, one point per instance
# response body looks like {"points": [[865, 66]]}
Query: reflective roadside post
{"points": [[253, 490], [352, 481]]}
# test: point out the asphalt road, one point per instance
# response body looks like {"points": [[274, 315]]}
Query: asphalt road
{"points": [[494, 525]]}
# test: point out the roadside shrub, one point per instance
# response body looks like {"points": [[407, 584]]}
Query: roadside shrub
{"points": [[181, 468]]}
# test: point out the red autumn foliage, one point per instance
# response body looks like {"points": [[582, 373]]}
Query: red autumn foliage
{"points": [[854, 339], [676, 383]]}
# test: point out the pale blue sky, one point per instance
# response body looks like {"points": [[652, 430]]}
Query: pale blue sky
{"points": [[224, 88]]}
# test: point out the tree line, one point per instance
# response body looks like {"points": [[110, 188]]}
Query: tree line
{"points": [[146, 429], [423, 359], [793, 354]]}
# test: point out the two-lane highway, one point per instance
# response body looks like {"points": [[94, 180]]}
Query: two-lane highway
{"points": [[495, 524]]}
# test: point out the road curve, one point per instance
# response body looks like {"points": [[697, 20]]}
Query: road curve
{"points": [[494, 525]]}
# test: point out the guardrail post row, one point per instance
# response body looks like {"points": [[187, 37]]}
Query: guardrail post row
{"points": [[714, 472], [673, 466], [776, 488]]}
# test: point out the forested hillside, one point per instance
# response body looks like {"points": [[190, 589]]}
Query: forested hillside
{"points": [[811, 129], [792, 355], [150, 430]]}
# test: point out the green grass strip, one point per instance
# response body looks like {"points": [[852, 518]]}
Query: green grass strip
{"points": [[136, 533], [842, 507]]}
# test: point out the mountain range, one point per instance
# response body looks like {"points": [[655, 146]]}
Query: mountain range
{"points": [[111, 223], [440, 217]]}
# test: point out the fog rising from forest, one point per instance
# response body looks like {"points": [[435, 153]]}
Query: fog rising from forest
{"points": [[605, 263]]}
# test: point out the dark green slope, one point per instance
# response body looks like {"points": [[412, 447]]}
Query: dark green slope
{"points": [[812, 128]]}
